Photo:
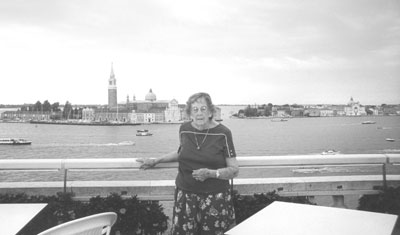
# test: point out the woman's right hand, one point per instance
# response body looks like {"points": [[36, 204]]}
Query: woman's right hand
{"points": [[147, 163]]}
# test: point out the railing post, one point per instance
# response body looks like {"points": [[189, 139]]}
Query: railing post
{"points": [[65, 180], [384, 176]]}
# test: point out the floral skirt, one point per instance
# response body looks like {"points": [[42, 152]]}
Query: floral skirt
{"points": [[202, 213]]}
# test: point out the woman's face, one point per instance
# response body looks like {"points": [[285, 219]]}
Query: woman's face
{"points": [[200, 113]]}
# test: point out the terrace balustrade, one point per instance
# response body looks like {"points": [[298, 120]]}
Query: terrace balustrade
{"points": [[336, 185]]}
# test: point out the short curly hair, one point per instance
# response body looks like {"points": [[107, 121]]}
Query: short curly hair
{"points": [[193, 98]]}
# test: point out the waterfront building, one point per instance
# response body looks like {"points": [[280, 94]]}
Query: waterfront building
{"points": [[2, 110], [274, 111], [281, 113], [88, 114], [312, 113], [26, 116], [390, 109], [151, 110], [173, 113], [354, 108], [297, 112], [327, 112], [112, 90], [339, 110]]}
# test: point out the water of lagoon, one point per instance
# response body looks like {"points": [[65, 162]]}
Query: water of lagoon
{"points": [[252, 137]]}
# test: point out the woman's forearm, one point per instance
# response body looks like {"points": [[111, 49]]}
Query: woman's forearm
{"points": [[229, 172], [147, 163], [169, 157], [226, 173]]}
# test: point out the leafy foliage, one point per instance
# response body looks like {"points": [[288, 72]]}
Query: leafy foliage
{"points": [[246, 206], [61, 208], [147, 217], [134, 216], [388, 201]]}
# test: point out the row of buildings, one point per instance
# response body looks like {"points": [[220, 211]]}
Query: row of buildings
{"points": [[352, 108], [151, 110]]}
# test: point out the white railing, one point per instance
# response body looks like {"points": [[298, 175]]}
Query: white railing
{"points": [[337, 186]]}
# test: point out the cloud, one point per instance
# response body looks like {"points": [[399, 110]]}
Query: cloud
{"points": [[271, 47], [198, 12]]}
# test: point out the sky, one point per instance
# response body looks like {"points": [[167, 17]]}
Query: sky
{"points": [[239, 51]]}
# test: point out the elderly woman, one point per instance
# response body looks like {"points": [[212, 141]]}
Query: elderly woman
{"points": [[207, 161]]}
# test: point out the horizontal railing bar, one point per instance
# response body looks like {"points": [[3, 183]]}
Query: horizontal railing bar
{"points": [[29, 170], [103, 169], [167, 197], [336, 185], [244, 161], [340, 178], [170, 197], [311, 166], [31, 163], [327, 193], [393, 158], [171, 183], [314, 159]]}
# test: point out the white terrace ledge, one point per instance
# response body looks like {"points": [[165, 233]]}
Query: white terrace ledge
{"points": [[336, 186]]}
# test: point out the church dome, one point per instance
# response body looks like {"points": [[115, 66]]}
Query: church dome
{"points": [[150, 96]]}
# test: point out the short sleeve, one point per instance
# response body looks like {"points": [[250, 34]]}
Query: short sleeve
{"points": [[229, 147], [180, 140]]}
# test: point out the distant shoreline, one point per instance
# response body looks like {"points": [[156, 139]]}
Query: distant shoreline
{"points": [[85, 123], [150, 123]]}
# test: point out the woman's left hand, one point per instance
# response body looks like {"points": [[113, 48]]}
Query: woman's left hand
{"points": [[201, 174]]}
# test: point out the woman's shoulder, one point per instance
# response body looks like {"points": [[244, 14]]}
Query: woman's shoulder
{"points": [[185, 126], [222, 128]]}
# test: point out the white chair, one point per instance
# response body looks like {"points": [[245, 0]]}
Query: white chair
{"points": [[98, 224]]}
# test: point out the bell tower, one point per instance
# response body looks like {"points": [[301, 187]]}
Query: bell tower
{"points": [[112, 90]]}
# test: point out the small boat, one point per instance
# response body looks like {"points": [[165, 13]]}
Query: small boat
{"points": [[14, 141], [330, 152], [143, 133], [390, 139], [142, 130], [368, 122], [279, 120]]}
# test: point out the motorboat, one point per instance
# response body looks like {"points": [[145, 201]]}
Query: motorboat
{"points": [[14, 141], [143, 133], [330, 152], [142, 130], [368, 122], [279, 120]]}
